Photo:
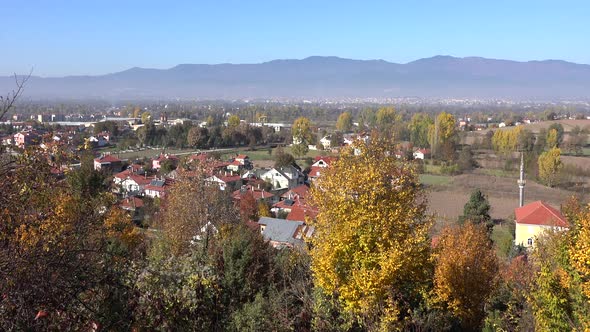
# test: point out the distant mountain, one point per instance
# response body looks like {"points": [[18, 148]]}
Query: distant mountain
{"points": [[329, 77]]}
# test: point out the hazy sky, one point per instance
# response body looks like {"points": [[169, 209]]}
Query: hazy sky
{"points": [[75, 37]]}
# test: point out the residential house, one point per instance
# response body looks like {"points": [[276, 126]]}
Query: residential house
{"points": [[283, 178], [321, 162], [108, 162], [158, 187], [131, 203], [535, 218], [25, 139], [157, 163], [98, 141], [134, 184], [257, 191], [226, 180], [240, 162], [421, 154], [284, 233], [348, 139], [326, 141]]}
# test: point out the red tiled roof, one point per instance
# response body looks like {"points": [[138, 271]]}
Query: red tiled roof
{"points": [[241, 156], [540, 213], [131, 202], [108, 159], [315, 171], [258, 194], [140, 180], [327, 159], [299, 212], [163, 157], [229, 178], [300, 191]]}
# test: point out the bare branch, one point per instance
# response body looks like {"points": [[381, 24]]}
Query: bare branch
{"points": [[6, 103]]}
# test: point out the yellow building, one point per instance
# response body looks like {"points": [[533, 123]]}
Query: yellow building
{"points": [[535, 218]]}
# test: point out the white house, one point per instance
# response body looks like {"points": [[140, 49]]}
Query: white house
{"points": [[421, 154], [283, 178], [326, 141]]}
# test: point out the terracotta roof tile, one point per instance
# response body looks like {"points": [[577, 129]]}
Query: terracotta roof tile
{"points": [[540, 213]]}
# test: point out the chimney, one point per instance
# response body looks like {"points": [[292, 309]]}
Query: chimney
{"points": [[521, 182], [259, 186]]}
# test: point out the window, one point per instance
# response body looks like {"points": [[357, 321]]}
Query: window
{"points": [[530, 241]]}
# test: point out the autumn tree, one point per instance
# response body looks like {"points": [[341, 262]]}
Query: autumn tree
{"points": [[560, 133], [385, 118], [146, 117], [248, 207], [442, 136], [549, 166], [233, 121], [302, 136], [370, 246], [64, 253], [192, 206], [419, 126], [466, 273], [366, 119], [552, 139], [197, 137], [344, 123]]}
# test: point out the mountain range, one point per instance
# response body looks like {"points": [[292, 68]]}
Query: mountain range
{"points": [[439, 77]]}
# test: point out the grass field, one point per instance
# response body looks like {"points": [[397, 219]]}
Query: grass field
{"points": [[435, 180]]}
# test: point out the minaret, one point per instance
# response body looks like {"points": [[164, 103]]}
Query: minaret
{"points": [[521, 182]]}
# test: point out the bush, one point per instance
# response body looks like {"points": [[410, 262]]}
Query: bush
{"points": [[452, 169]]}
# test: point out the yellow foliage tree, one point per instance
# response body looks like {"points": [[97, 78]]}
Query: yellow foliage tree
{"points": [[233, 121], [465, 273], [549, 165], [552, 139], [344, 122], [371, 233], [579, 250], [442, 134], [506, 141]]}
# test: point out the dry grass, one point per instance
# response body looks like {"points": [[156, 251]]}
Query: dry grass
{"points": [[447, 202]]}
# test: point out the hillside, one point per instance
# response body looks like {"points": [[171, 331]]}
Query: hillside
{"points": [[329, 77]]}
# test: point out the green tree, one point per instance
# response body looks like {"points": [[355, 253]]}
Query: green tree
{"points": [[302, 136], [386, 117], [419, 126], [549, 166], [477, 209], [560, 132], [344, 123], [282, 158], [367, 118]]}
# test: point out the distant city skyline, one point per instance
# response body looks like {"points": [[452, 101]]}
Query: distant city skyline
{"points": [[61, 38]]}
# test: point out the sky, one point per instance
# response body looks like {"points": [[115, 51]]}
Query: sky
{"points": [[80, 37]]}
